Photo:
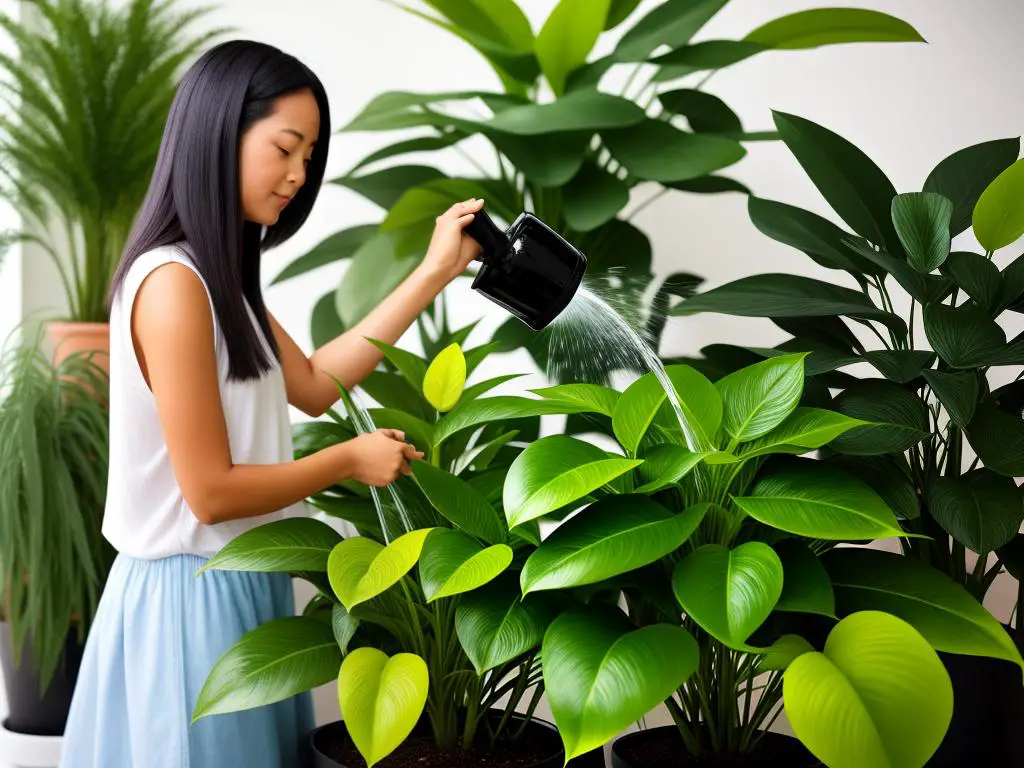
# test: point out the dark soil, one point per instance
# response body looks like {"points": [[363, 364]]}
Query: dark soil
{"points": [[538, 746], [663, 748]]}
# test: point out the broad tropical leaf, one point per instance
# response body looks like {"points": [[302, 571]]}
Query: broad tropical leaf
{"points": [[758, 398], [445, 378], [999, 216], [568, 36], [360, 568], [452, 563], [293, 544], [461, 504], [922, 221]]}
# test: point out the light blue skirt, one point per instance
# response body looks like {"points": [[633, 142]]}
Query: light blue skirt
{"points": [[158, 632]]}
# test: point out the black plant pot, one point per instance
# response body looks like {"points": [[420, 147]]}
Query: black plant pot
{"points": [[663, 747], [30, 713], [988, 712], [327, 743]]}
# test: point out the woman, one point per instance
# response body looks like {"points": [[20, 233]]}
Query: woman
{"points": [[200, 440]]}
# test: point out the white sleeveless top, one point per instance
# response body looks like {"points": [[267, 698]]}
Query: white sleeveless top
{"points": [[146, 515]]}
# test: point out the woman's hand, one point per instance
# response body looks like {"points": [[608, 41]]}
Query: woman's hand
{"points": [[379, 458], [451, 250]]}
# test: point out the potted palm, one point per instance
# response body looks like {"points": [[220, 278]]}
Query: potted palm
{"points": [[90, 87], [53, 476], [948, 446]]}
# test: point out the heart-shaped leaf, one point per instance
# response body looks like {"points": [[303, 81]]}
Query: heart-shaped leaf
{"points": [[600, 677], [568, 36], [803, 430], [900, 365], [555, 471], [806, 588], [958, 392], [593, 198], [943, 611], [460, 503], [360, 569], [965, 174], [982, 510], [898, 418], [293, 544], [922, 221], [597, 398], [445, 378], [699, 402], [499, 408], [820, 502], [496, 624], [340, 245], [999, 216], [665, 465], [381, 699], [452, 563], [278, 659], [979, 277], [759, 397], [832, 26], [997, 437], [880, 679], [654, 150], [963, 336], [615, 535], [729, 592]]}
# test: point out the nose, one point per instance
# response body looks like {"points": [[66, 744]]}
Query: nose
{"points": [[297, 175]]}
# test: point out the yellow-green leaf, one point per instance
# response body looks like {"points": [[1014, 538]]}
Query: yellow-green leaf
{"points": [[454, 563], [567, 38], [999, 214], [445, 378], [360, 568]]}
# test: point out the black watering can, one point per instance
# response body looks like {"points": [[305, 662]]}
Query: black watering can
{"points": [[529, 269]]}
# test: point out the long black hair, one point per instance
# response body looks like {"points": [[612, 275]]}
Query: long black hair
{"points": [[194, 193]]}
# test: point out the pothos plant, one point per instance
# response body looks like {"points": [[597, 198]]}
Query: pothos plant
{"points": [[556, 139], [934, 398]]}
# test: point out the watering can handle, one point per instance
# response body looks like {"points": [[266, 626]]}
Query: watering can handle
{"points": [[490, 236]]}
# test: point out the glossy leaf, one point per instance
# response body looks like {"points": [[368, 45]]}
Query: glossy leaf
{"points": [[654, 150], [997, 437], [665, 465], [965, 174], [340, 245], [806, 587], [344, 626], [595, 397], [963, 336], [278, 659], [925, 288], [474, 391], [889, 477], [445, 378], [958, 392], [496, 624], [548, 160], [498, 409], [381, 699], [600, 676], [555, 471], [360, 569], [460, 503], [673, 23], [803, 430], [784, 652], [900, 365], [819, 502], [832, 26], [878, 677], [699, 401], [568, 36], [292, 544], [583, 110], [897, 418], [943, 611], [922, 221], [613, 536], [452, 563], [998, 216], [704, 112], [593, 198], [758, 398], [729, 592], [982, 510], [395, 391]]}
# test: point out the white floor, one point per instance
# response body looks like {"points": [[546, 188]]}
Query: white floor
{"points": [[18, 751]]}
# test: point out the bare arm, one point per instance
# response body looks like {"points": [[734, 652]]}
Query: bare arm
{"points": [[350, 358], [172, 329]]}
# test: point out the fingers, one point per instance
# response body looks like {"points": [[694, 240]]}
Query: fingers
{"points": [[460, 210], [394, 434], [410, 452]]}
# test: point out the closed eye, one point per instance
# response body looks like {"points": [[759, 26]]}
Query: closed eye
{"points": [[284, 151]]}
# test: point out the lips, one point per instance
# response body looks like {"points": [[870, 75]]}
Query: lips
{"points": [[282, 200]]}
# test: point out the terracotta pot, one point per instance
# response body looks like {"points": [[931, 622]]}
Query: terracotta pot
{"points": [[70, 338]]}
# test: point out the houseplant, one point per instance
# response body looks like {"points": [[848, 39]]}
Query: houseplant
{"points": [[399, 629], [554, 142], [936, 392], [89, 87], [53, 477]]}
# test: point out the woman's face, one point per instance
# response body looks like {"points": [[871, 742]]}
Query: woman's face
{"points": [[274, 154]]}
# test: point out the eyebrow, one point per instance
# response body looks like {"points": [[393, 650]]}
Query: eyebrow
{"points": [[302, 136]]}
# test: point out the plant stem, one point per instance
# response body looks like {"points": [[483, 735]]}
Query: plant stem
{"points": [[660, 193]]}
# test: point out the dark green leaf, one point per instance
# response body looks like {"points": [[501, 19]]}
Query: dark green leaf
{"points": [[965, 174], [1011, 556], [925, 288], [344, 626], [709, 185], [899, 418], [806, 587], [393, 390], [340, 245], [377, 268], [964, 336], [853, 185], [982, 510], [582, 110], [593, 198], [889, 478], [705, 113], [324, 324], [922, 224], [500, 21], [589, 75], [386, 186], [1012, 282], [829, 330], [998, 439], [421, 204], [978, 277], [411, 366], [547, 160], [900, 365], [656, 151], [410, 146], [831, 26], [710, 54], [460, 503], [617, 244], [292, 544], [958, 392], [672, 23], [619, 11]]}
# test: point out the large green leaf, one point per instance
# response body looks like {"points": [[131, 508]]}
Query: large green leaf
{"points": [[654, 150], [965, 174], [819, 501], [758, 398], [499, 21], [583, 110], [705, 112], [568, 36], [555, 471], [460, 503], [360, 568], [982, 510], [664, 465], [889, 476], [395, 391], [898, 418], [979, 277], [278, 659], [729, 592], [381, 699], [943, 611], [496, 624], [452, 563], [380, 264], [421, 204], [964, 336], [880, 680], [924, 288], [672, 23], [997, 437], [445, 378], [999, 216], [293, 544], [411, 366], [548, 160], [600, 676], [857, 189], [593, 198], [699, 401], [499, 408], [958, 392], [617, 244], [900, 365], [340, 245], [615, 535], [803, 430], [417, 431], [922, 221], [831, 26], [806, 587], [386, 186], [780, 295], [597, 398]]}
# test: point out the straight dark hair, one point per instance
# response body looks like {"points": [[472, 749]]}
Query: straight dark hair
{"points": [[194, 194]]}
